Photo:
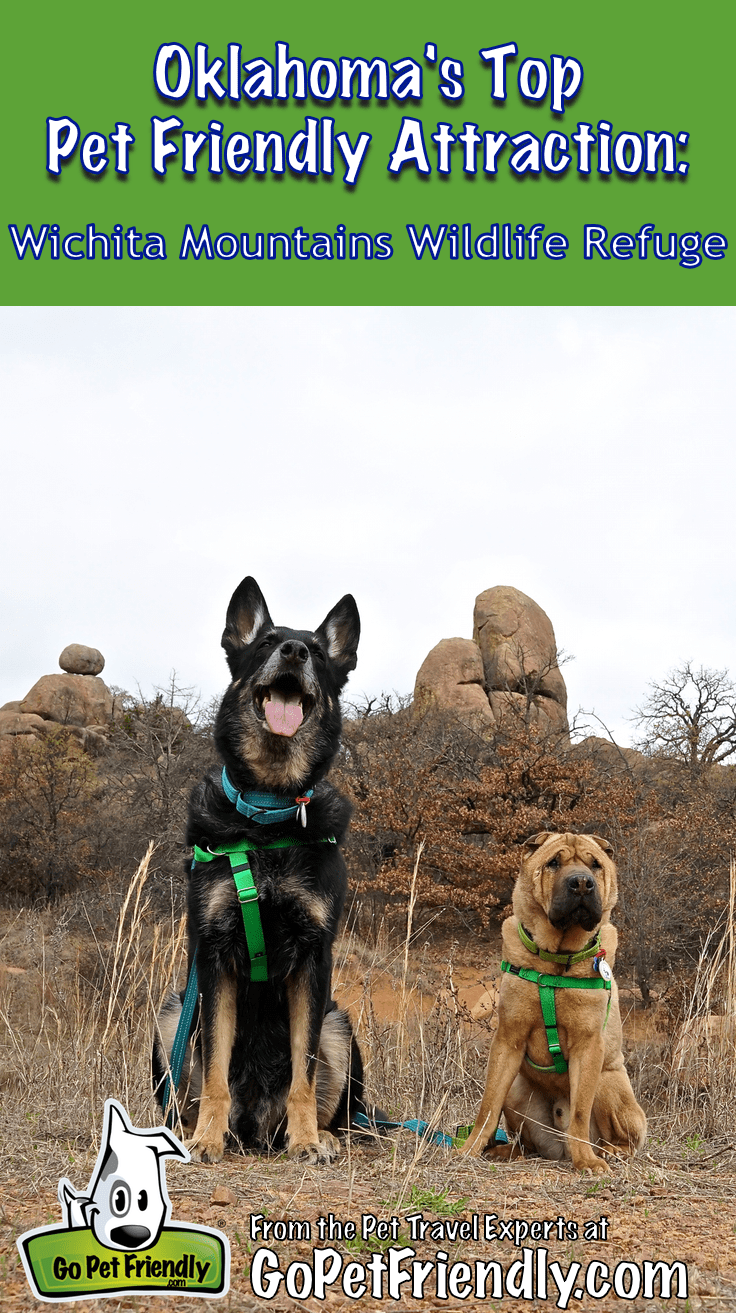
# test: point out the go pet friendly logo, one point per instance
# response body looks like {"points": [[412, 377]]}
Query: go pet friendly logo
{"points": [[115, 1239]]}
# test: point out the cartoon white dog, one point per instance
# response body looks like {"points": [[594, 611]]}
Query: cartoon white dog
{"points": [[126, 1204]]}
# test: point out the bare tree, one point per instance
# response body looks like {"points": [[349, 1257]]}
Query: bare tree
{"points": [[160, 747], [470, 798], [690, 717], [523, 692], [49, 792]]}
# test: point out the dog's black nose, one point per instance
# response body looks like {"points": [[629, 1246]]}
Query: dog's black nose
{"points": [[293, 650], [131, 1236], [581, 884]]}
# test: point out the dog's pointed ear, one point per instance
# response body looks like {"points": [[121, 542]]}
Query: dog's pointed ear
{"points": [[165, 1145], [603, 843], [246, 614], [340, 631]]}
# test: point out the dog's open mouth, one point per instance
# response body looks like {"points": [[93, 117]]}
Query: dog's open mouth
{"points": [[284, 706]]}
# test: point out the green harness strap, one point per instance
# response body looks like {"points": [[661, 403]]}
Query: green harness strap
{"points": [[248, 899], [547, 986], [567, 960], [242, 874]]}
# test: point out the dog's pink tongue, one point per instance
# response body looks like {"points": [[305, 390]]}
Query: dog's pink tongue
{"points": [[284, 715]]}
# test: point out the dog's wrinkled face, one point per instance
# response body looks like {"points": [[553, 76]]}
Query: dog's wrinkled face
{"points": [[573, 878], [280, 717]]}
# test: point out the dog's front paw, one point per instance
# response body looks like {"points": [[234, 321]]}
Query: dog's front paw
{"points": [[330, 1145], [206, 1148], [592, 1163], [503, 1153], [323, 1150]]}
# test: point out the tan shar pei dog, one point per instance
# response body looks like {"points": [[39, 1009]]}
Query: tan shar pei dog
{"points": [[555, 1068]]}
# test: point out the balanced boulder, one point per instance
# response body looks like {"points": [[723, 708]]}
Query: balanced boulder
{"points": [[77, 659]]}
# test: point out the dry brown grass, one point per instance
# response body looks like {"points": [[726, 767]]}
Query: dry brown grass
{"points": [[76, 1021], [692, 1069], [79, 990]]}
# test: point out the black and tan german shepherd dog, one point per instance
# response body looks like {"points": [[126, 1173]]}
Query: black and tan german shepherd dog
{"points": [[272, 1062]]}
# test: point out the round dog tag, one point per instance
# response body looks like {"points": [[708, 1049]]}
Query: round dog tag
{"points": [[603, 969]]}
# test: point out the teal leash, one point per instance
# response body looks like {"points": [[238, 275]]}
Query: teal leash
{"points": [[375, 1123], [365, 1123], [181, 1039]]}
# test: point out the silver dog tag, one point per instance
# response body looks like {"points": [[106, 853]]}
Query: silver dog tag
{"points": [[603, 968], [303, 814]]}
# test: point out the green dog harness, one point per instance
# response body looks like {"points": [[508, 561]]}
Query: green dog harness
{"points": [[567, 960], [240, 869], [547, 986]]}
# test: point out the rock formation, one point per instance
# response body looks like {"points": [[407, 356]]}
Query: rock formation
{"points": [[452, 678], [70, 700], [509, 667], [13, 722], [519, 651], [77, 659], [77, 701]]}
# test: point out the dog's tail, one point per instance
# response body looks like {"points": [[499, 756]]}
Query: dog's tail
{"points": [[339, 1077], [341, 1101]]}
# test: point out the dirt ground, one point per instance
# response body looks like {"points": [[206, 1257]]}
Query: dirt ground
{"points": [[655, 1210]]}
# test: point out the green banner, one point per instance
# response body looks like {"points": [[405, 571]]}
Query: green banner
{"points": [[400, 154], [66, 1264]]}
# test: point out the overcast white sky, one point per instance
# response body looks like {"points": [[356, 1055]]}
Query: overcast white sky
{"points": [[411, 456]]}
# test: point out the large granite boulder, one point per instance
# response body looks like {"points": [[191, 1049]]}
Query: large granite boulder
{"points": [[508, 668], [70, 700], [76, 659], [451, 678], [518, 647], [14, 722]]}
